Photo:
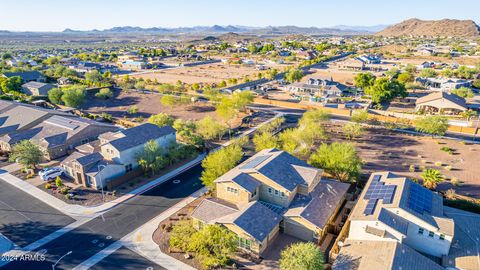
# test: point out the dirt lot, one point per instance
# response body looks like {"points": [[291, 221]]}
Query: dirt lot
{"points": [[210, 73], [148, 104], [383, 150]]}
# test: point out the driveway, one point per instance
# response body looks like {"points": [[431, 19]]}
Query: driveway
{"points": [[271, 255]]}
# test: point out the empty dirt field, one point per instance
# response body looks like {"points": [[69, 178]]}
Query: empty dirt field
{"points": [[209, 73], [147, 104], [385, 150]]}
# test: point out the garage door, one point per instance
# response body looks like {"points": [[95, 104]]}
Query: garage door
{"points": [[298, 231]]}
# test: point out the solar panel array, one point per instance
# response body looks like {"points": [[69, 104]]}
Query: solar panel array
{"points": [[255, 162], [420, 199], [376, 191]]}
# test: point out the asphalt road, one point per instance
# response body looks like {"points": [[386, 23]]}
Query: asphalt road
{"points": [[24, 219], [97, 234], [126, 259]]}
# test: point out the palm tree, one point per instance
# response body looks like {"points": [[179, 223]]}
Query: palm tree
{"points": [[431, 178], [469, 114]]}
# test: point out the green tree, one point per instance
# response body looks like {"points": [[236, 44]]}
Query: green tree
{"points": [[469, 114], [293, 75], [431, 178], [73, 96], [463, 92], [428, 73], [26, 153], [476, 84], [187, 131], [93, 77], [305, 256], [339, 160], [55, 95], [214, 245], [405, 78], [385, 90], [264, 140], [360, 116], [352, 130], [161, 119], [104, 93], [168, 100], [152, 158], [181, 234], [315, 116], [132, 109], [364, 80], [220, 162], [210, 129], [433, 125], [58, 181], [11, 84]]}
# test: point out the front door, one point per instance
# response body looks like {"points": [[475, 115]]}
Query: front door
{"points": [[79, 178]]}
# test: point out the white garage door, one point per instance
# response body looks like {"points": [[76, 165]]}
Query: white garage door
{"points": [[298, 231]]}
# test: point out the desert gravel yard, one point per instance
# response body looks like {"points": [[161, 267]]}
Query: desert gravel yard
{"points": [[385, 150]]}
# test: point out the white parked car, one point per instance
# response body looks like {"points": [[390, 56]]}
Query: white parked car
{"points": [[50, 173]]}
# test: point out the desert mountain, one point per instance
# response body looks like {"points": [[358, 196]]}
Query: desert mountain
{"points": [[440, 28]]}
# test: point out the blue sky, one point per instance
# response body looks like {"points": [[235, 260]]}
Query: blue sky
{"points": [[56, 15]]}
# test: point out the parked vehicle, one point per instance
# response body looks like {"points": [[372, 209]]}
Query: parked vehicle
{"points": [[50, 173]]}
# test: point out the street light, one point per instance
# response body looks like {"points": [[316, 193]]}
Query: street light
{"points": [[55, 264]]}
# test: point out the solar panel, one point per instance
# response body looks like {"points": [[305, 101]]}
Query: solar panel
{"points": [[378, 191], [255, 162], [420, 199], [370, 207]]}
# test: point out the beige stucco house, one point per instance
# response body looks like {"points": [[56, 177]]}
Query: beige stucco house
{"points": [[272, 192]]}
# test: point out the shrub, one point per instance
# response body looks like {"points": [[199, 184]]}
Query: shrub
{"points": [[68, 197], [448, 168], [104, 93], [438, 163], [411, 168], [463, 205], [48, 186], [447, 150], [455, 182]]}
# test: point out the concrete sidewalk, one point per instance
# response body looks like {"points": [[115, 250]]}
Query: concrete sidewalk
{"points": [[79, 211], [141, 241]]}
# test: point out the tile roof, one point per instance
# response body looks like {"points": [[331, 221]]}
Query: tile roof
{"points": [[319, 206], [139, 135], [26, 75], [279, 166], [443, 95], [257, 220], [211, 209], [246, 181], [367, 255]]}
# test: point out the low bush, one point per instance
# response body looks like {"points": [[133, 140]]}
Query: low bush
{"points": [[438, 163], [448, 168], [447, 149], [48, 186], [411, 168]]}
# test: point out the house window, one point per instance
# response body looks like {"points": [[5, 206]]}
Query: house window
{"points": [[244, 243], [128, 168], [442, 236], [232, 190], [430, 234], [283, 194], [254, 193], [276, 192], [420, 231], [270, 190]]}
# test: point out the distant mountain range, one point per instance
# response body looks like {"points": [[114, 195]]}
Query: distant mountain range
{"points": [[438, 28], [219, 29]]}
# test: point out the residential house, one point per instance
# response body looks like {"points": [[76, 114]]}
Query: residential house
{"points": [[64, 81], [34, 88], [307, 55], [27, 76], [443, 84], [57, 135], [114, 154], [272, 192], [441, 102], [371, 59], [352, 64], [134, 65], [325, 88], [16, 116], [395, 209]]}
